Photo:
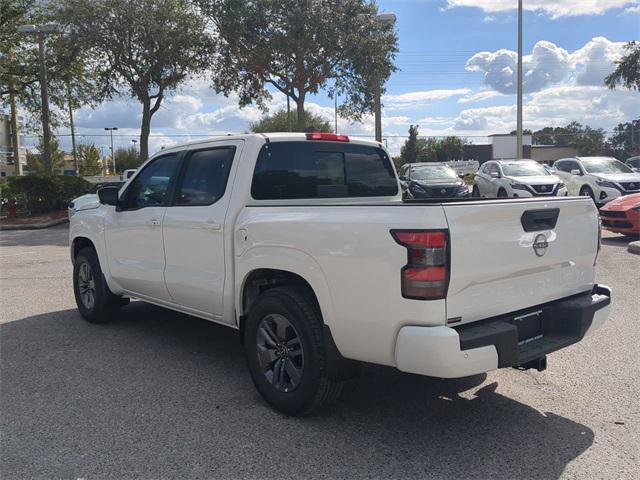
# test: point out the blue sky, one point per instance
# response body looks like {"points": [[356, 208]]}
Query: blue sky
{"points": [[457, 67]]}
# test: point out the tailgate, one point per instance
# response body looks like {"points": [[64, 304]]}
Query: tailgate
{"points": [[508, 255]]}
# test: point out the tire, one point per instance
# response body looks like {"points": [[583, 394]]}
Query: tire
{"points": [[475, 193], [587, 192], [284, 344], [95, 301], [502, 193]]}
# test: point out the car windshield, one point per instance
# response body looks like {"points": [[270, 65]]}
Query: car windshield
{"points": [[604, 165], [433, 172], [523, 169]]}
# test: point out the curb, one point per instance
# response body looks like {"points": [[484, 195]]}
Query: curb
{"points": [[35, 226], [634, 247]]}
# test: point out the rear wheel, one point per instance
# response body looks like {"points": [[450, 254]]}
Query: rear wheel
{"points": [[502, 193], [284, 343], [95, 301]]}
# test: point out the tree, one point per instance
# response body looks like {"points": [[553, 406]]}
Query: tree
{"points": [[69, 75], [299, 47], [35, 161], [430, 149], [409, 151], [627, 72], [145, 48], [127, 158], [89, 159], [278, 122], [625, 140]]}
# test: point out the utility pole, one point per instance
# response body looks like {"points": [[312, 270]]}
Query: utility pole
{"points": [[335, 112], [73, 132], [41, 31], [519, 147], [382, 19], [113, 157], [15, 133]]}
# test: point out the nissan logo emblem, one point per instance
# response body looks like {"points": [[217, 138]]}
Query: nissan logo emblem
{"points": [[632, 186], [543, 188], [540, 244], [443, 191]]}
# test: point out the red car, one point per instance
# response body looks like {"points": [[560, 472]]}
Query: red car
{"points": [[622, 215]]}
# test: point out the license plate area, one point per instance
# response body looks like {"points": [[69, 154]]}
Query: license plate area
{"points": [[529, 326]]}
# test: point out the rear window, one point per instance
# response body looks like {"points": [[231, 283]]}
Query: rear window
{"points": [[313, 169]]}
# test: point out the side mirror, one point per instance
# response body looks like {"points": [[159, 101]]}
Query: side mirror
{"points": [[575, 171], [108, 195], [495, 174]]}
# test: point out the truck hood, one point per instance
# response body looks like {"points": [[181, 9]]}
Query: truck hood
{"points": [[85, 202]]}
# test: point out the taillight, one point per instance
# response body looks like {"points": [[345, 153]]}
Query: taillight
{"points": [[426, 274], [331, 137]]}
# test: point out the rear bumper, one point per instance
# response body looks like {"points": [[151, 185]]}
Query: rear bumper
{"points": [[505, 341]]}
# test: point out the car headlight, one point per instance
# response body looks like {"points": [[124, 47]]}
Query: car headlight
{"points": [[462, 191], [519, 186], [417, 186], [560, 185], [604, 183], [636, 208]]}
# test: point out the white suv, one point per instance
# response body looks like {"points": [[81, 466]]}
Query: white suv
{"points": [[516, 178], [601, 178]]}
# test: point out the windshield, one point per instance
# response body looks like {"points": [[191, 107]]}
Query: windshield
{"points": [[433, 172], [523, 169], [605, 165]]}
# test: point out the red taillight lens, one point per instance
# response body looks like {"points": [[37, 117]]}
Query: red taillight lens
{"points": [[331, 137], [426, 275]]}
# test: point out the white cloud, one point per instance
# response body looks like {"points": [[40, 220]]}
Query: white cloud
{"points": [[547, 64], [554, 8], [489, 19], [479, 96], [635, 9], [414, 99], [593, 62], [595, 106]]}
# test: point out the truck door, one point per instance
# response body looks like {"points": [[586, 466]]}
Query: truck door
{"points": [[133, 231], [194, 229]]}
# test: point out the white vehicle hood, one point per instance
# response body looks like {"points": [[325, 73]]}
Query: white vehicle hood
{"points": [[537, 180], [619, 177], [86, 202]]}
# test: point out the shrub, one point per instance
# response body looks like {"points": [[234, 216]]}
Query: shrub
{"points": [[37, 194]]}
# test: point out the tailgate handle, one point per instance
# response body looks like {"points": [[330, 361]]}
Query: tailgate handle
{"points": [[534, 220]]}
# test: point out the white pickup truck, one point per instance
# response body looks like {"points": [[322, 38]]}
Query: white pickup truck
{"points": [[302, 243]]}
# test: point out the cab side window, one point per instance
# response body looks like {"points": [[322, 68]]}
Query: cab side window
{"points": [[205, 177], [150, 187]]}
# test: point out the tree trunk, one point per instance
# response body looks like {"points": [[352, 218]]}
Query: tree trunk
{"points": [[301, 125], [145, 129]]}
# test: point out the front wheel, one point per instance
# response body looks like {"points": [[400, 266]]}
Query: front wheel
{"points": [[587, 192], [475, 193], [95, 301], [502, 193], [284, 344]]}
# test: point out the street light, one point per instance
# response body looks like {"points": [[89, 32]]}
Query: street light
{"points": [[382, 19], [113, 157], [41, 31]]}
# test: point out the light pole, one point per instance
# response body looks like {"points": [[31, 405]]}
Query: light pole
{"points": [[113, 157], [41, 31], [383, 19], [519, 148]]}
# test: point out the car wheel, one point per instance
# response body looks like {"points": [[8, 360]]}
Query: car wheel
{"points": [[284, 344], [502, 193], [475, 192], [587, 192], [95, 301]]}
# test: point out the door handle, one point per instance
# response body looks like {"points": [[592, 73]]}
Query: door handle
{"points": [[154, 222], [211, 226]]}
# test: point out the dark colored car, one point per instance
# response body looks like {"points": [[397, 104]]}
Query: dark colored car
{"points": [[431, 180], [633, 163]]}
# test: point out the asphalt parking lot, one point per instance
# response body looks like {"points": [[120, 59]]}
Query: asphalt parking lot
{"points": [[156, 394]]}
